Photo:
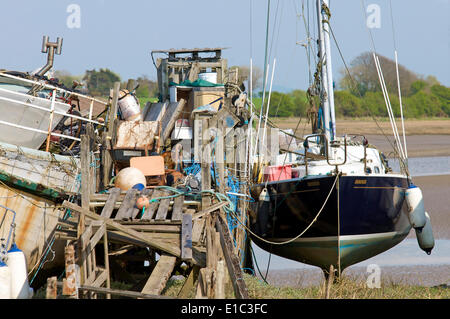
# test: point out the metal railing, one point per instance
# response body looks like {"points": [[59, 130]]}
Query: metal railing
{"points": [[13, 225], [51, 111], [327, 155]]}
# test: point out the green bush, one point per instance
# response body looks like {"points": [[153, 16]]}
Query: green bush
{"points": [[426, 101]]}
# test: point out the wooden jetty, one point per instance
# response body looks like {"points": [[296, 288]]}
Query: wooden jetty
{"points": [[109, 239], [176, 230]]}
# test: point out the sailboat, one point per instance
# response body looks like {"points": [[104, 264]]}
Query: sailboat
{"points": [[345, 204]]}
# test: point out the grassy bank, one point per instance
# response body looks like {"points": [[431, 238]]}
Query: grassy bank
{"points": [[345, 289]]}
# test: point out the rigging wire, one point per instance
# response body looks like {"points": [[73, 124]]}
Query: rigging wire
{"points": [[299, 235], [398, 81], [353, 81], [386, 96]]}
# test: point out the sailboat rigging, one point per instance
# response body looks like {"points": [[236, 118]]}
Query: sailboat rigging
{"points": [[339, 203]]}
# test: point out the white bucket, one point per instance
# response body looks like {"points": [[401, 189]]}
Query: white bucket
{"points": [[129, 106], [5, 281], [208, 76], [20, 288]]}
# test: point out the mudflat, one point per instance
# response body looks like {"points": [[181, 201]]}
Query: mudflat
{"points": [[417, 145], [369, 126], [424, 137]]}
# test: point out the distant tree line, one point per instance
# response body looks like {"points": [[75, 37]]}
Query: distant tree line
{"points": [[359, 94], [98, 83]]}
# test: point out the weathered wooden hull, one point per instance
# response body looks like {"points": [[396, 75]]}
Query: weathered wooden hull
{"points": [[32, 184], [35, 221]]}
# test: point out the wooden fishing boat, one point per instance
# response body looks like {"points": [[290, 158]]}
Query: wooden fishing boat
{"points": [[39, 165]]}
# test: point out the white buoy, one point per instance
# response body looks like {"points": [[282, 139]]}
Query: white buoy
{"points": [[416, 208], [16, 262], [128, 177], [264, 195], [129, 106], [5, 281], [425, 236]]}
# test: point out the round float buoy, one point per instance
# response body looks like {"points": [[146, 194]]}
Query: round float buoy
{"points": [[20, 288], [142, 202], [425, 236], [5, 281], [416, 208], [128, 177]]}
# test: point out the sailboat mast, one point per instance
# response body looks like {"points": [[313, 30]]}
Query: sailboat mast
{"points": [[326, 71], [324, 74], [326, 32]]}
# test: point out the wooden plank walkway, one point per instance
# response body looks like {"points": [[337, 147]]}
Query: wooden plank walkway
{"points": [[168, 210]]}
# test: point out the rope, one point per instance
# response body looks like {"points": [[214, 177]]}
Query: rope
{"points": [[360, 95], [339, 228], [303, 232]]}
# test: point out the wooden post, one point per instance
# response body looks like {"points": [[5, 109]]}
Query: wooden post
{"points": [[210, 253], [186, 237], [106, 162], [219, 292], [233, 265], [189, 283], [106, 254], [160, 275], [85, 198], [112, 115], [91, 157], [70, 285], [206, 164], [329, 282], [85, 171], [220, 158], [51, 291], [198, 137]]}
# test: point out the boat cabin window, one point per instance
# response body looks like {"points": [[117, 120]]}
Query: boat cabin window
{"points": [[377, 170]]}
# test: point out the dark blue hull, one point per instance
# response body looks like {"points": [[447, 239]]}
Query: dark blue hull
{"points": [[362, 217]]}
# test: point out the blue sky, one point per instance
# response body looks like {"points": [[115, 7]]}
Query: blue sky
{"points": [[121, 34]]}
